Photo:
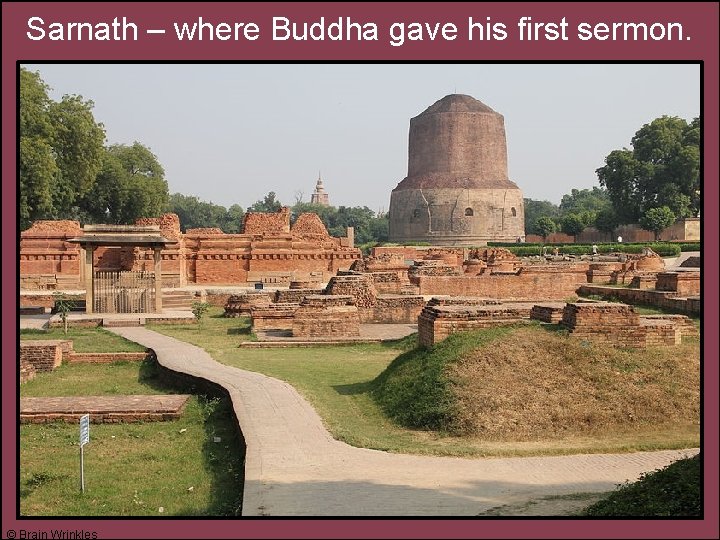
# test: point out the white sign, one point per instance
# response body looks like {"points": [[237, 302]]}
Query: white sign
{"points": [[84, 429]]}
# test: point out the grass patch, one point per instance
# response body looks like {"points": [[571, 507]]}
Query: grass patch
{"points": [[674, 491], [85, 339], [341, 383], [117, 378], [130, 469], [134, 469]]}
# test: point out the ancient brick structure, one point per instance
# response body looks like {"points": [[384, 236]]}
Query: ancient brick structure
{"points": [[326, 317], [27, 370], [44, 355], [442, 317], [269, 251], [47, 259], [239, 305], [457, 190], [276, 316], [662, 299], [619, 325], [542, 282], [683, 283]]}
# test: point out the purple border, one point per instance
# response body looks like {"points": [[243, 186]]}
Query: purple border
{"points": [[699, 20]]}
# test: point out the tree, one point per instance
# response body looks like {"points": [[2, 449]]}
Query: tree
{"points": [[268, 204], [573, 224], [545, 227], [657, 219], [585, 200], [662, 169], [61, 151], [537, 209], [607, 221], [131, 184]]}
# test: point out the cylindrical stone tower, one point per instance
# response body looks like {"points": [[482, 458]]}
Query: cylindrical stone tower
{"points": [[457, 190]]}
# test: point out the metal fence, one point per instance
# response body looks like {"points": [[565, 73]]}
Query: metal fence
{"points": [[124, 292]]}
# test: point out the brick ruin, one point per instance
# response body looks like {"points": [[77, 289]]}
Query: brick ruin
{"points": [[326, 317], [269, 251], [446, 315], [620, 325], [604, 322]]}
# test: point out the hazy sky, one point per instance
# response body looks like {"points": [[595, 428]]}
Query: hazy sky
{"points": [[229, 133]]}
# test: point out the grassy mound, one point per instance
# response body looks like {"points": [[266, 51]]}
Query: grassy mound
{"points": [[529, 382], [673, 491]]}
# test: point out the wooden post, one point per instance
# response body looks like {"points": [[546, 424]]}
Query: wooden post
{"points": [[158, 280], [89, 293]]}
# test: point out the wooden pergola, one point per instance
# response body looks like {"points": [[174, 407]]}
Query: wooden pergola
{"points": [[95, 236]]}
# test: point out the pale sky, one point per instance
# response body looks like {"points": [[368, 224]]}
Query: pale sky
{"points": [[229, 133]]}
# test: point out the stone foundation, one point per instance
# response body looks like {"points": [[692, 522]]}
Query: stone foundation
{"points": [[294, 295], [326, 317]]}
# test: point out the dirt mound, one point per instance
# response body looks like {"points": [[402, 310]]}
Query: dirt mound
{"points": [[534, 383]]}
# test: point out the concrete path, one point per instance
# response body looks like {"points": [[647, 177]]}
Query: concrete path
{"points": [[295, 468]]}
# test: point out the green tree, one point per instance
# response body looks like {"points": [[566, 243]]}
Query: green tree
{"points": [[662, 169], [131, 184], [657, 219], [607, 221], [268, 204], [585, 200], [61, 148], [545, 227], [537, 209], [573, 224]]}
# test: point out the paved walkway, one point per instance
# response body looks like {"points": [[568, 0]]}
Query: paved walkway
{"points": [[295, 468]]}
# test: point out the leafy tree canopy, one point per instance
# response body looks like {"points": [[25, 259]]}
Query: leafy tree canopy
{"points": [[662, 169], [537, 209], [657, 219]]}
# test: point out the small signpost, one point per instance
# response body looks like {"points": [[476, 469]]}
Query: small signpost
{"points": [[84, 439]]}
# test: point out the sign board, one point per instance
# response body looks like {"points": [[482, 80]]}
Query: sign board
{"points": [[84, 429]]}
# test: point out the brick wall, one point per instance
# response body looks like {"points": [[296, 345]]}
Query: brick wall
{"points": [[27, 370], [326, 317], [529, 282], [684, 283], [661, 299], [393, 309], [278, 316], [106, 358], [239, 305], [44, 355], [619, 325]]}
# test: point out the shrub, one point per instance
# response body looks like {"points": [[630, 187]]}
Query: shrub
{"points": [[674, 491]]}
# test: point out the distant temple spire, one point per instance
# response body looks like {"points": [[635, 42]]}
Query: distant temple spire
{"points": [[319, 196]]}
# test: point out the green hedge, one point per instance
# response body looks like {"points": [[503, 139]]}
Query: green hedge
{"points": [[690, 246], [664, 249]]}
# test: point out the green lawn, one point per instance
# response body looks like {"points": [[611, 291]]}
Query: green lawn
{"points": [[134, 469], [130, 469], [85, 339]]}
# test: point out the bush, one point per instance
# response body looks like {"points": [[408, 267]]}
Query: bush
{"points": [[674, 491], [690, 246], [663, 249]]}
